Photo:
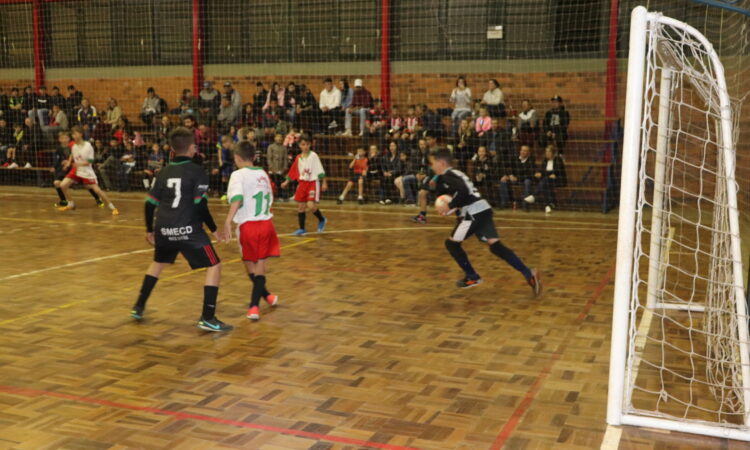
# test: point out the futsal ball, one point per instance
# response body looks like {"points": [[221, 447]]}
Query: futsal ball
{"points": [[445, 200]]}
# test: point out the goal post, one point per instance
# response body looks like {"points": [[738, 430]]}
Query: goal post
{"points": [[679, 357]]}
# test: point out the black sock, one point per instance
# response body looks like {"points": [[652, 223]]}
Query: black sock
{"points": [[423, 213], [265, 290], [209, 301], [319, 215], [259, 286], [148, 285], [60, 194], [506, 254], [301, 218], [95, 195]]}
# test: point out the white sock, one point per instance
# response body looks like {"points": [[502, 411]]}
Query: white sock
{"points": [[112, 205], [146, 183], [341, 197]]}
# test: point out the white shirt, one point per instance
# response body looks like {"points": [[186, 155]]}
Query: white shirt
{"points": [[330, 99], [307, 168], [493, 97], [550, 165], [81, 153], [252, 187]]}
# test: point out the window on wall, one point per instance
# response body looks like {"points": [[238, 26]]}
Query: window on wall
{"points": [[16, 36]]}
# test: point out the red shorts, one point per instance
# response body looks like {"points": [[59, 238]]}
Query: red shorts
{"points": [[307, 191], [258, 240], [73, 176]]}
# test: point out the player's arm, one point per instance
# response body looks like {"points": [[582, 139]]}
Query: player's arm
{"points": [[200, 198], [236, 198], [152, 202], [293, 173]]}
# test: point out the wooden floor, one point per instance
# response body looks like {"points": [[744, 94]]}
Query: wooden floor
{"points": [[371, 346]]}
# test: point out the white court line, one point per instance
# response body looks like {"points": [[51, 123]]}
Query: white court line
{"points": [[613, 434]]}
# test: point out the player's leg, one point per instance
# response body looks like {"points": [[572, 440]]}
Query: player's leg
{"points": [[422, 199], [60, 194], [361, 189], [346, 190], [259, 287], [96, 197], [208, 320], [65, 185], [149, 281], [312, 205], [97, 190], [301, 215], [453, 244]]}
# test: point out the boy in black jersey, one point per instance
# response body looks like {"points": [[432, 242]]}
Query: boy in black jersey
{"points": [[179, 197], [475, 217]]}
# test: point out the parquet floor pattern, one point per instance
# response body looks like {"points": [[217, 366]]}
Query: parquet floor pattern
{"points": [[371, 346]]}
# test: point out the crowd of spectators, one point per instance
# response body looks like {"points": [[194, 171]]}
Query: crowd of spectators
{"points": [[494, 144]]}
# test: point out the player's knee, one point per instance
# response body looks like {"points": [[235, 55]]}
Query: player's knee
{"points": [[500, 250], [452, 246]]}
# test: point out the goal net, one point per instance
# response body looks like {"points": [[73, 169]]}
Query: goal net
{"points": [[680, 337]]}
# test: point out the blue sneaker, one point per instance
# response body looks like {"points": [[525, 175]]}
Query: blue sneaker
{"points": [[137, 312], [300, 232], [322, 225]]}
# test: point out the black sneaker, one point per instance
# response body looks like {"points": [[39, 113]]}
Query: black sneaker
{"points": [[468, 282], [137, 312], [213, 325], [100, 203], [535, 282], [361, 201], [339, 201], [419, 218], [61, 204]]}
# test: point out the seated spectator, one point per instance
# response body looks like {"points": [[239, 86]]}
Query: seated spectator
{"points": [[306, 109], [233, 94], [271, 117], [127, 163], [396, 124], [111, 162], [259, 99], [3, 103], [521, 171], [412, 127], [374, 171], [482, 171], [290, 102], [390, 170], [493, 99], [462, 103], [113, 113], [465, 144], [73, 102], [483, 123], [154, 163], [56, 98], [406, 169], [151, 107], [376, 124], [58, 122], [361, 104], [357, 174], [188, 105], [206, 141], [28, 100], [556, 122], [416, 169], [225, 165], [163, 129], [15, 107], [276, 93], [330, 105], [121, 129], [498, 142], [12, 150], [277, 158], [87, 118], [6, 136], [431, 122], [291, 139], [41, 106], [527, 124], [551, 175], [209, 100], [228, 116]]}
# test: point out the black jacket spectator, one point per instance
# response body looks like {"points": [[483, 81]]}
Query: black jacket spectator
{"points": [[555, 125], [524, 169], [73, 102], [558, 169]]}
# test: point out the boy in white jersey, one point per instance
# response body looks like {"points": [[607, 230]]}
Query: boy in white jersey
{"points": [[308, 171], [251, 196], [82, 156]]}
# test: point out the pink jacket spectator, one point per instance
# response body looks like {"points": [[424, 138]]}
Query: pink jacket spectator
{"points": [[483, 124]]}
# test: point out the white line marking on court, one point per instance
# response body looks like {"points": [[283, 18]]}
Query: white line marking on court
{"points": [[613, 434]]}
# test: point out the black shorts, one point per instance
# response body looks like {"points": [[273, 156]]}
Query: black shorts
{"points": [[481, 225], [354, 178], [60, 174], [197, 256]]}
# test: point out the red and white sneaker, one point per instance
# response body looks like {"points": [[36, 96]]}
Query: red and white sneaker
{"points": [[272, 299], [253, 313]]}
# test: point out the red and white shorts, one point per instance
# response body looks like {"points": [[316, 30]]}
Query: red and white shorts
{"points": [[307, 191], [73, 176], [258, 240]]}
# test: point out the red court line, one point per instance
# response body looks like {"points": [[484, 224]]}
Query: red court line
{"points": [[34, 393], [528, 398]]}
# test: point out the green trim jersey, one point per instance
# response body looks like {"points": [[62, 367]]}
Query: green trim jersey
{"points": [[252, 187], [177, 191]]}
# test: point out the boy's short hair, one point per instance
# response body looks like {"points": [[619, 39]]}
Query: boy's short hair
{"points": [[305, 137], [245, 151], [180, 139], [443, 154], [360, 148], [63, 133], [76, 129]]}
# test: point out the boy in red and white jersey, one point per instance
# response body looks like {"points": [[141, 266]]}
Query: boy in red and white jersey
{"points": [[308, 171], [82, 157], [251, 195]]}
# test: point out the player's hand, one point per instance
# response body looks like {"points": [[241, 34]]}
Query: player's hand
{"points": [[150, 238], [553, 176], [433, 184], [225, 235], [442, 209]]}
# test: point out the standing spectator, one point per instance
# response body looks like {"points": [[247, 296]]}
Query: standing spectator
{"points": [[461, 99], [277, 93], [225, 165], [58, 122], [42, 105], [556, 122], [290, 102], [154, 163], [151, 107], [278, 164], [306, 111], [56, 98], [493, 99], [528, 124], [361, 104], [520, 171], [113, 112], [465, 141], [271, 117], [87, 118], [259, 99], [228, 115], [347, 94], [550, 175], [208, 103], [15, 107], [412, 127], [376, 124], [482, 170], [73, 102], [330, 105], [233, 94]]}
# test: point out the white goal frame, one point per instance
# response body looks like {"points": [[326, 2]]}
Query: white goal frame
{"points": [[617, 410]]}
